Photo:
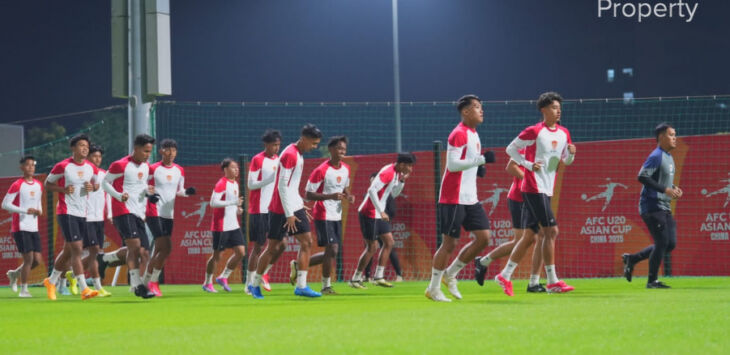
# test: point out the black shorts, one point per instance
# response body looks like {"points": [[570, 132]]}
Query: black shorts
{"points": [[328, 232], [518, 210], [277, 231], [371, 228], [27, 242], [258, 227], [72, 227], [540, 211], [453, 217], [130, 226], [94, 234], [227, 239], [159, 226]]}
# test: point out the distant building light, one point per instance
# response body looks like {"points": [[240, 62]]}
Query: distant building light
{"points": [[629, 97], [610, 74], [628, 71]]}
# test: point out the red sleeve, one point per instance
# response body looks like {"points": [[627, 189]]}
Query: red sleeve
{"points": [[59, 168], [94, 168], [317, 175], [182, 171], [255, 164], [567, 133], [116, 168], [387, 176], [457, 138], [15, 187], [39, 184], [289, 160], [530, 133], [220, 186]]}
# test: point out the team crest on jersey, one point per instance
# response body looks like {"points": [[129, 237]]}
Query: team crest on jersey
{"points": [[32, 194], [339, 179], [554, 144], [80, 173], [169, 177], [140, 175]]}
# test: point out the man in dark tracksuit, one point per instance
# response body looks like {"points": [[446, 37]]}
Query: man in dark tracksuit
{"points": [[657, 175]]}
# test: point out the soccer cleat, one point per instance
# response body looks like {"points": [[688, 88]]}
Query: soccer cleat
{"points": [[63, 288], [436, 295], [628, 266], [142, 291], [73, 286], [50, 289], [24, 294], [381, 282], [357, 284], [255, 292], [451, 283], [104, 293], [657, 284], [328, 291], [102, 265], [399, 278], [265, 282], [293, 272], [559, 287], [505, 284], [247, 290], [209, 288], [224, 283], [13, 280], [480, 271], [306, 292], [536, 288], [154, 288], [88, 293]]}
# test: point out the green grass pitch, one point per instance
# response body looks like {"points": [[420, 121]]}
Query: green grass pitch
{"points": [[607, 316]]}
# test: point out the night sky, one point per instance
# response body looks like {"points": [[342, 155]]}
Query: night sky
{"points": [[57, 53]]}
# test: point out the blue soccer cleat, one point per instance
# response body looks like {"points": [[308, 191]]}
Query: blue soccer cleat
{"points": [[306, 292], [255, 292]]}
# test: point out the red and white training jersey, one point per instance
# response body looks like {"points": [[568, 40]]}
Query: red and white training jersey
{"points": [[326, 179], [286, 199], [546, 145], [69, 173], [463, 157], [261, 177], [21, 196], [99, 203], [515, 190], [169, 182], [127, 175], [387, 183], [224, 202]]}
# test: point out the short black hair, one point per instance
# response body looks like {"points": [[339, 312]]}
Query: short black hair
{"points": [[547, 98], [143, 139], [271, 136], [96, 148], [336, 140], [661, 128], [373, 175], [465, 101], [311, 131], [226, 162], [26, 158], [168, 143], [79, 137], [407, 158]]}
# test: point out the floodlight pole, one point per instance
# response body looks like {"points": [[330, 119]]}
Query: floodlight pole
{"points": [[138, 110], [396, 79]]}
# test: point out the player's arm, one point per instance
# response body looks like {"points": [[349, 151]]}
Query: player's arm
{"points": [[514, 170], [316, 179], [513, 150], [8, 201], [108, 202], [646, 177], [457, 144], [51, 183], [568, 154], [182, 191], [400, 183], [285, 175], [106, 184], [376, 186], [255, 184]]}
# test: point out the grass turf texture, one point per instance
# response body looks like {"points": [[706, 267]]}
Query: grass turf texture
{"points": [[600, 316]]}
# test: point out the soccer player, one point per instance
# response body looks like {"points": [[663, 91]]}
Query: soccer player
{"points": [[226, 204], [287, 213], [458, 203], [530, 235], [657, 176], [168, 179], [329, 185], [25, 201], [546, 144], [390, 210], [261, 176], [72, 179], [126, 182], [98, 207], [375, 221]]}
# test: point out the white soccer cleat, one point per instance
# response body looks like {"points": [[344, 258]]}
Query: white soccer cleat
{"points": [[436, 295], [451, 283], [13, 280], [25, 294]]}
